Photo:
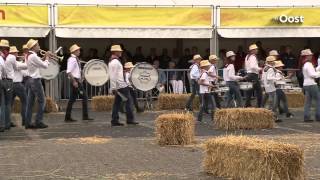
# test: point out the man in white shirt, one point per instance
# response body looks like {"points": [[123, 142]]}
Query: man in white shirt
{"points": [[214, 78], [195, 73], [269, 78], [14, 72], [231, 79], [35, 89], [205, 90], [119, 87], [5, 88], [253, 69], [76, 83], [310, 86]]}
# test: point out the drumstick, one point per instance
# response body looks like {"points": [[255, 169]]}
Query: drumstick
{"points": [[123, 98]]}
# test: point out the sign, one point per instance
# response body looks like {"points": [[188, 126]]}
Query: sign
{"points": [[268, 17], [99, 16], [24, 15]]}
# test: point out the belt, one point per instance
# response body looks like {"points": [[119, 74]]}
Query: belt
{"points": [[7, 79]]}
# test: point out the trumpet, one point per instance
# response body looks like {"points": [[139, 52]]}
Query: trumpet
{"points": [[52, 55]]}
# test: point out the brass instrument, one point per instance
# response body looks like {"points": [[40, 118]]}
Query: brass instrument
{"points": [[51, 55]]}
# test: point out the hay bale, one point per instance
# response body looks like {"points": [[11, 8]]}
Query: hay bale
{"points": [[176, 101], [102, 103], [244, 118], [51, 106], [175, 129], [295, 99], [240, 157]]}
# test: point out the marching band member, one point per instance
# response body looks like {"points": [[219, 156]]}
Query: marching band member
{"points": [[5, 88], [76, 83], [35, 89], [310, 86], [127, 69], [281, 96], [119, 88], [252, 68], [268, 79], [213, 77], [18, 87], [231, 79], [195, 72], [204, 88]]}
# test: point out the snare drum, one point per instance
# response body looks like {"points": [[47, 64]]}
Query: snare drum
{"points": [[221, 89], [52, 71], [245, 85], [144, 77], [96, 72]]}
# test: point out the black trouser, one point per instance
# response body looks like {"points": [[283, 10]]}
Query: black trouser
{"points": [[20, 90], [254, 78], [133, 94], [6, 98], [73, 97], [117, 105], [194, 92]]}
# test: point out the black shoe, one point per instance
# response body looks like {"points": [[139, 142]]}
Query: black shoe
{"points": [[87, 119], [117, 124], [308, 120], [2, 129], [30, 126], [12, 124], [7, 128], [289, 115], [41, 126], [22, 124], [278, 120], [70, 120], [132, 123], [281, 111], [140, 110]]}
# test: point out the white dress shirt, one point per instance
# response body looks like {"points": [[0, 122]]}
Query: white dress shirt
{"points": [[212, 72], [127, 76], [251, 64], [204, 89], [10, 66], [229, 74], [73, 67], [309, 74], [20, 72], [34, 64], [2, 68], [117, 80], [195, 71], [269, 78]]}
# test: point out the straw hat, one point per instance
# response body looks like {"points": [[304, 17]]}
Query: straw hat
{"points": [[4, 43], [74, 47], [306, 52], [278, 63], [270, 59], [252, 47], [273, 53], [116, 48], [204, 63], [230, 53], [13, 49], [25, 46], [197, 57], [213, 57], [128, 65], [31, 43]]}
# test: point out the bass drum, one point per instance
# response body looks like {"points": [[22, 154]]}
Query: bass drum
{"points": [[52, 71], [96, 72], [144, 77]]}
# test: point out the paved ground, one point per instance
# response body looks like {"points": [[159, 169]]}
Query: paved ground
{"points": [[95, 150]]}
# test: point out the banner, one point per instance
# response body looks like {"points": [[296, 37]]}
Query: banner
{"points": [[266, 17], [88, 16], [23, 15]]}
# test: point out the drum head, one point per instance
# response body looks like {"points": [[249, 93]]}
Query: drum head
{"points": [[96, 72], [144, 77], [52, 71]]}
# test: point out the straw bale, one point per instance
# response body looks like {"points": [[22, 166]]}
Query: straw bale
{"points": [[102, 103], [244, 118], [176, 101], [175, 129], [51, 106], [246, 158], [295, 99]]}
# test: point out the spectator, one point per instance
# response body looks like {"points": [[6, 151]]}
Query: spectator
{"points": [[288, 58], [175, 79], [184, 61], [262, 55], [194, 50], [162, 76], [138, 57], [153, 55], [164, 59], [175, 56], [92, 54], [207, 54], [240, 56]]}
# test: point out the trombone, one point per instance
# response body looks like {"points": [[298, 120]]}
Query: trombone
{"points": [[52, 55]]}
